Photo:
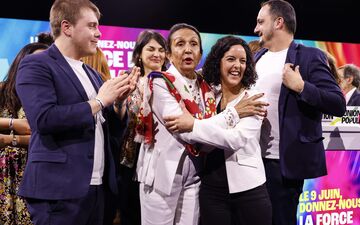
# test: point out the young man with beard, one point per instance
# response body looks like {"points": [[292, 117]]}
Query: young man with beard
{"points": [[298, 84]]}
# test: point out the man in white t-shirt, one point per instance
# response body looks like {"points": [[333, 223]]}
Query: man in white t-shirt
{"points": [[298, 84], [72, 115], [349, 75]]}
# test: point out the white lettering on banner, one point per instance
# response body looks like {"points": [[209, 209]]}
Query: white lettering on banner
{"points": [[114, 58], [118, 60], [326, 207], [118, 54], [105, 44], [334, 218], [125, 44], [129, 58]]}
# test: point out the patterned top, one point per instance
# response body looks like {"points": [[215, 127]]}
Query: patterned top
{"points": [[130, 147], [12, 164]]}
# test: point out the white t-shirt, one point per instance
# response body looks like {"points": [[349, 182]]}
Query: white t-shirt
{"points": [[269, 69], [99, 158]]}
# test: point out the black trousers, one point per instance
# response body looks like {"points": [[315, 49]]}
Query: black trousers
{"points": [[250, 207], [88, 210], [129, 198], [284, 193]]}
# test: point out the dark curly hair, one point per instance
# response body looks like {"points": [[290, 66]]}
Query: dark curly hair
{"points": [[211, 68]]}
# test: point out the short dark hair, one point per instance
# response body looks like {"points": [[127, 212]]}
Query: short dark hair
{"points": [[180, 26], [211, 68], [350, 70], [144, 38], [45, 37], [281, 8]]}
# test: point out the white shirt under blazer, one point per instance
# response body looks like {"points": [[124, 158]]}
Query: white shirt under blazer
{"points": [[244, 165]]}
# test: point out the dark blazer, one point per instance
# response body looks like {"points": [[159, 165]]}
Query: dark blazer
{"points": [[61, 150], [354, 99], [301, 148]]}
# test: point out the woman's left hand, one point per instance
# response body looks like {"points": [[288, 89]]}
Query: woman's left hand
{"points": [[180, 124]]}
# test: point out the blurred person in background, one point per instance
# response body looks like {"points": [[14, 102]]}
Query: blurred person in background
{"points": [[45, 38], [14, 140], [99, 63], [349, 75], [254, 46]]}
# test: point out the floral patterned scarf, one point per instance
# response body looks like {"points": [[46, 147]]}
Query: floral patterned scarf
{"points": [[180, 91]]}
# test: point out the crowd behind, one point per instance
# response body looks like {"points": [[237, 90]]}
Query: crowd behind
{"points": [[165, 142]]}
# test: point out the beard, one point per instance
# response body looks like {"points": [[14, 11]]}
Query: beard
{"points": [[266, 38]]}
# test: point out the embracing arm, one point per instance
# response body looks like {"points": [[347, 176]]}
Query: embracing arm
{"points": [[219, 130], [209, 133]]}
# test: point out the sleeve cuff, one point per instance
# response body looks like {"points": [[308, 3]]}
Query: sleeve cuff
{"points": [[231, 116]]}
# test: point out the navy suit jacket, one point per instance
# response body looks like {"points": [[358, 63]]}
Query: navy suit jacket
{"points": [[301, 148], [61, 149], [354, 99]]}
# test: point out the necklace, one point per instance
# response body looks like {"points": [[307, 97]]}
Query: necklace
{"points": [[195, 91]]}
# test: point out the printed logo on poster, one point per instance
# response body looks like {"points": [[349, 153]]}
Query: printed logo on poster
{"points": [[351, 118]]}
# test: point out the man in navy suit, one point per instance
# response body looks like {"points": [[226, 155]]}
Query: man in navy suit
{"points": [[299, 87], [72, 116], [349, 75]]}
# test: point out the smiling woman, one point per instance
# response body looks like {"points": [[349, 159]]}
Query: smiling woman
{"points": [[230, 66], [148, 55], [233, 183]]}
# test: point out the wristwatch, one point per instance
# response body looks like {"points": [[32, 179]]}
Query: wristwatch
{"points": [[14, 141]]}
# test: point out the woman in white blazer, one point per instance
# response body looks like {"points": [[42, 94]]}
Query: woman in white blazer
{"points": [[233, 181], [168, 167], [168, 174]]}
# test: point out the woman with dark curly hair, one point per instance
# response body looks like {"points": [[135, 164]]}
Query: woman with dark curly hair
{"points": [[232, 187]]}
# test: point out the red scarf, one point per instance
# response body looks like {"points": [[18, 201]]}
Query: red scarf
{"points": [[180, 91]]}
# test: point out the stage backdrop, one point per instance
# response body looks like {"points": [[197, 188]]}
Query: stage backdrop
{"points": [[330, 200]]}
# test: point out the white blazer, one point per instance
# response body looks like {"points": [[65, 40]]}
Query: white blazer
{"points": [[157, 164], [244, 165]]}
